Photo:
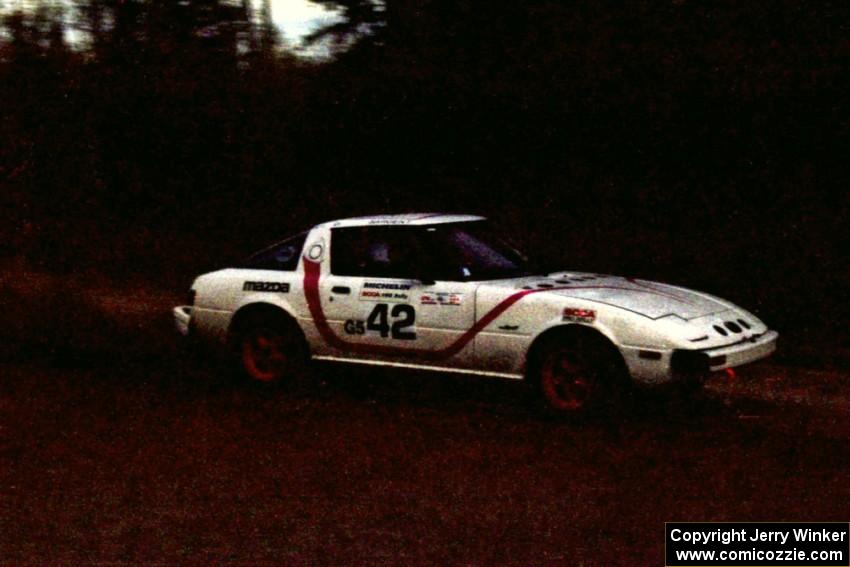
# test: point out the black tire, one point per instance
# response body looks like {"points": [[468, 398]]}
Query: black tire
{"points": [[270, 349], [578, 374]]}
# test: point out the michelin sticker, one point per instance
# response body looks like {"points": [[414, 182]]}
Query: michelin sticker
{"points": [[379, 291]]}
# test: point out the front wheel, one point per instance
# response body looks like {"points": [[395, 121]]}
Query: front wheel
{"points": [[578, 374]]}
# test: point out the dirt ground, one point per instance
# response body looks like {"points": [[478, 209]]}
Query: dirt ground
{"points": [[117, 452]]}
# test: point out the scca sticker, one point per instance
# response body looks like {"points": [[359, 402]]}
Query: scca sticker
{"points": [[579, 315], [278, 287]]}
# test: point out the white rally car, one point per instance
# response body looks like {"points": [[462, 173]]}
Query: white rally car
{"points": [[445, 292]]}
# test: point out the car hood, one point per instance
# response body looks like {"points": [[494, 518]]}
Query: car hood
{"points": [[650, 299]]}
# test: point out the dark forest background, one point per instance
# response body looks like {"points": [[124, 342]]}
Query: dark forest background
{"points": [[705, 144]]}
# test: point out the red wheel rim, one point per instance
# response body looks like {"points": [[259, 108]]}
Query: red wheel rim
{"points": [[567, 380], [264, 354]]}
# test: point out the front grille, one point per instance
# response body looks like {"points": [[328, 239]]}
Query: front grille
{"points": [[752, 339]]}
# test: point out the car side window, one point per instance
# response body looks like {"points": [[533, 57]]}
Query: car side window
{"points": [[470, 251], [379, 252], [282, 256]]}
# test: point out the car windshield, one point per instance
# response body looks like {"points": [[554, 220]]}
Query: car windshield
{"points": [[472, 251], [280, 256]]}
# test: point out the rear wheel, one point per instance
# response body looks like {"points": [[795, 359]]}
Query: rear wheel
{"points": [[271, 348], [578, 374]]}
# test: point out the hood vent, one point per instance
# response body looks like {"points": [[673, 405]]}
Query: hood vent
{"points": [[736, 327]]}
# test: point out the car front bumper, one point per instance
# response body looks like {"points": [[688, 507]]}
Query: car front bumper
{"points": [[182, 316], [695, 365], [708, 363], [742, 352]]}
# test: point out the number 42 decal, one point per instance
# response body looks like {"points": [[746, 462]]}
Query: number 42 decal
{"points": [[403, 315]]}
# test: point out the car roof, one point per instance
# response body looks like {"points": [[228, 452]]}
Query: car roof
{"points": [[412, 219]]}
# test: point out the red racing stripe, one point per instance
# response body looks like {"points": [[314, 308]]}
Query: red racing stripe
{"points": [[312, 273]]}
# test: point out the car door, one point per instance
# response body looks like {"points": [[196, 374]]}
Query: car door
{"points": [[380, 307]]}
